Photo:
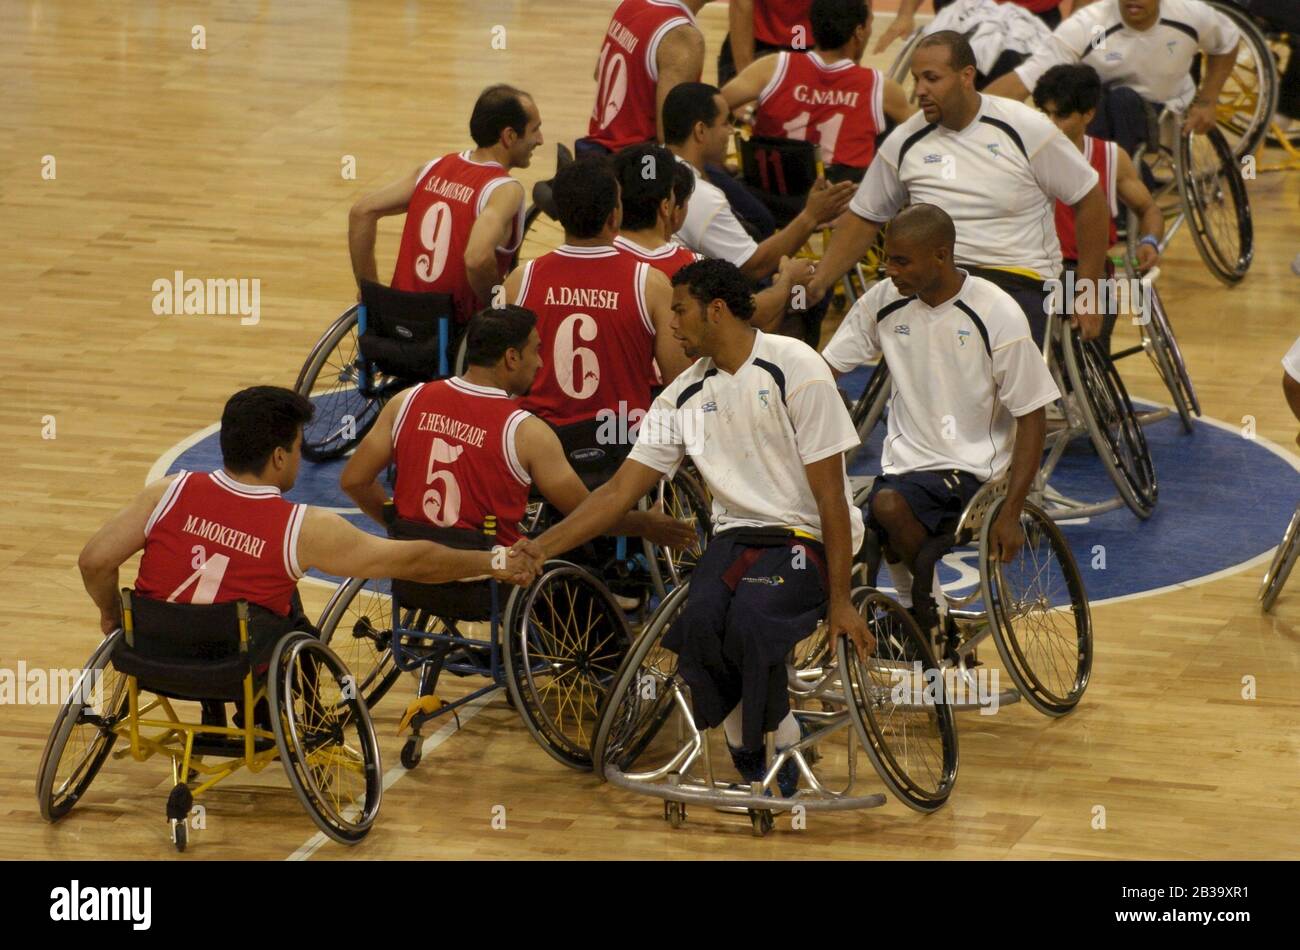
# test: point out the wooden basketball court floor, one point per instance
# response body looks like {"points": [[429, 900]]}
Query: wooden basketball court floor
{"points": [[226, 162]]}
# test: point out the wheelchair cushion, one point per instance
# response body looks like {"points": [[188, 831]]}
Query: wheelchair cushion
{"points": [[594, 461], [453, 601], [401, 335]]}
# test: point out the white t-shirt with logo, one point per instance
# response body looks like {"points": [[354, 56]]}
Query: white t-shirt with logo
{"points": [[711, 227], [961, 372]]}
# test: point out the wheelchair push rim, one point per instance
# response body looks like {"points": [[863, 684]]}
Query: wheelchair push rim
{"points": [[911, 744], [1250, 93], [1045, 647], [1214, 199], [331, 378], [1284, 559], [325, 737], [83, 729], [357, 624], [564, 638], [870, 407], [684, 498], [1168, 359]]}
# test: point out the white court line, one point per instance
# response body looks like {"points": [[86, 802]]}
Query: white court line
{"points": [[467, 712]]}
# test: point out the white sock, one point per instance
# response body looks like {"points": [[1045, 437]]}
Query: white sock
{"points": [[732, 727], [787, 733], [902, 582]]}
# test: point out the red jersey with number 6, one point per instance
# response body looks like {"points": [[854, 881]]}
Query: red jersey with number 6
{"points": [[451, 192], [839, 106], [211, 540], [627, 73], [454, 448], [1102, 155], [597, 335]]}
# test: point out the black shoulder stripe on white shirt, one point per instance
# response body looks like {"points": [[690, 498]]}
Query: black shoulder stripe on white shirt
{"points": [[1184, 27], [1095, 44], [889, 308], [979, 325], [775, 372], [1006, 127], [694, 388], [913, 139]]}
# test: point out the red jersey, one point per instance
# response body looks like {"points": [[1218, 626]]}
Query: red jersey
{"points": [[783, 23], [451, 192], [597, 335], [454, 449], [211, 540], [627, 72], [1103, 156], [840, 106], [670, 258], [1035, 6]]}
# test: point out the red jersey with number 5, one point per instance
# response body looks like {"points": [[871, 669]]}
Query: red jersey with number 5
{"points": [[451, 192], [211, 540], [627, 72], [597, 335], [454, 449], [839, 106], [1102, 155]]}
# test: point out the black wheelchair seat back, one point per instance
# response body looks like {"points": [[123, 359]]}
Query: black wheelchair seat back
{"points": [[402, 331], [457, 600], [780, 172], [593, 458], [192, 651]]}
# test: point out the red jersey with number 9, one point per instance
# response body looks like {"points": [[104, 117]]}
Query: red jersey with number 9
{"points": [[211, 540], [454, 449], [451, 192], [627, 72], [597, 335], [839, 106]]}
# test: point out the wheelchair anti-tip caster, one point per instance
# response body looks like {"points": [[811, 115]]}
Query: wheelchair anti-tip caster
{"points": [[412, 751], [675, 813], [762, 821]]}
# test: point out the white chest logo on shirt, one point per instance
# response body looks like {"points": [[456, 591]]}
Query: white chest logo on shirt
{"points": [[961, 337], [993, 149], [1170, 46], [709, 407], [1114, 57], [902, 329], [933, 159], [763, 395]]}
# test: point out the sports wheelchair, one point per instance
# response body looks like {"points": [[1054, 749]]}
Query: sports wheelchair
{"points": [[890, 704], [553, 646], [1284, 559], [1249, 97], [377, 348], [235, 652], [1096, 404]]}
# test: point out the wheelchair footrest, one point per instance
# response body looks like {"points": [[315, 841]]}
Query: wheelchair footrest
{"points": [[420, 710]]}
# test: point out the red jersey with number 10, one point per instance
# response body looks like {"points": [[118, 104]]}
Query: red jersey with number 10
{"points": [[627, 73], [839, 106], [451, 192], [454, 448], [211, 540], [783, 23], [597, 335], [1101, 155]]}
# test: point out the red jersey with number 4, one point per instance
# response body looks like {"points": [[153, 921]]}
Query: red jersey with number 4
{"points": [[1103, 156], [627, 72], [670, 258], [783, 23], [451, 192], [597, 335], [211, 540], [840, 106], [454, 448]]}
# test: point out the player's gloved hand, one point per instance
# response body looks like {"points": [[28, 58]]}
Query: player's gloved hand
{"points": [[902, 26], [1006, 538], [844, 621], [667, 531], [826, 202]]}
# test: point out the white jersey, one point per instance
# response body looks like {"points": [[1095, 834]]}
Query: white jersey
{"points": [[1154, 63], [751, 434], [998, 179], [1291, 362], [961, 372], [711, 227]]}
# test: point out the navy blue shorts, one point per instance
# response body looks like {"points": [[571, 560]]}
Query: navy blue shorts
{"points": [[934, 496]]}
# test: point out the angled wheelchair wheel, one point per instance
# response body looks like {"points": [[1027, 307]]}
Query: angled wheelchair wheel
{"points": [[357, 624], [1168, 359], [1114, 427], [1283, 561], [900, 70], [1039, 610], [899, 705], [83, 733], [870, 407], [644, 694], [563, 640], [1249, 96], [325, 737], [1214, 199], [332, 378], [683, 497]]}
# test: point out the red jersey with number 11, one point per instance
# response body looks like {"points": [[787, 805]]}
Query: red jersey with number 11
{"points": [[451, 192], [597, 335], [211, 540]]}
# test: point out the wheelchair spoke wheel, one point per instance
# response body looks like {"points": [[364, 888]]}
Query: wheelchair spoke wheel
{"points": [[870, 407], [1249, 96], [1041, 622], [83, 734], [346, 404], [684, 498], [1214, 199], [357, 624], [564, 640], [645, 693], [899, 705], [325, 738], [1283, 561], [1116, 432], [1168, 359]]}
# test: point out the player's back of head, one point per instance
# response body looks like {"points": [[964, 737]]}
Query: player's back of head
{"points": [[257, 421], [498, 107], [493, 330], [586, 194], [834, 21], [1069, 88], [646, 177]]}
